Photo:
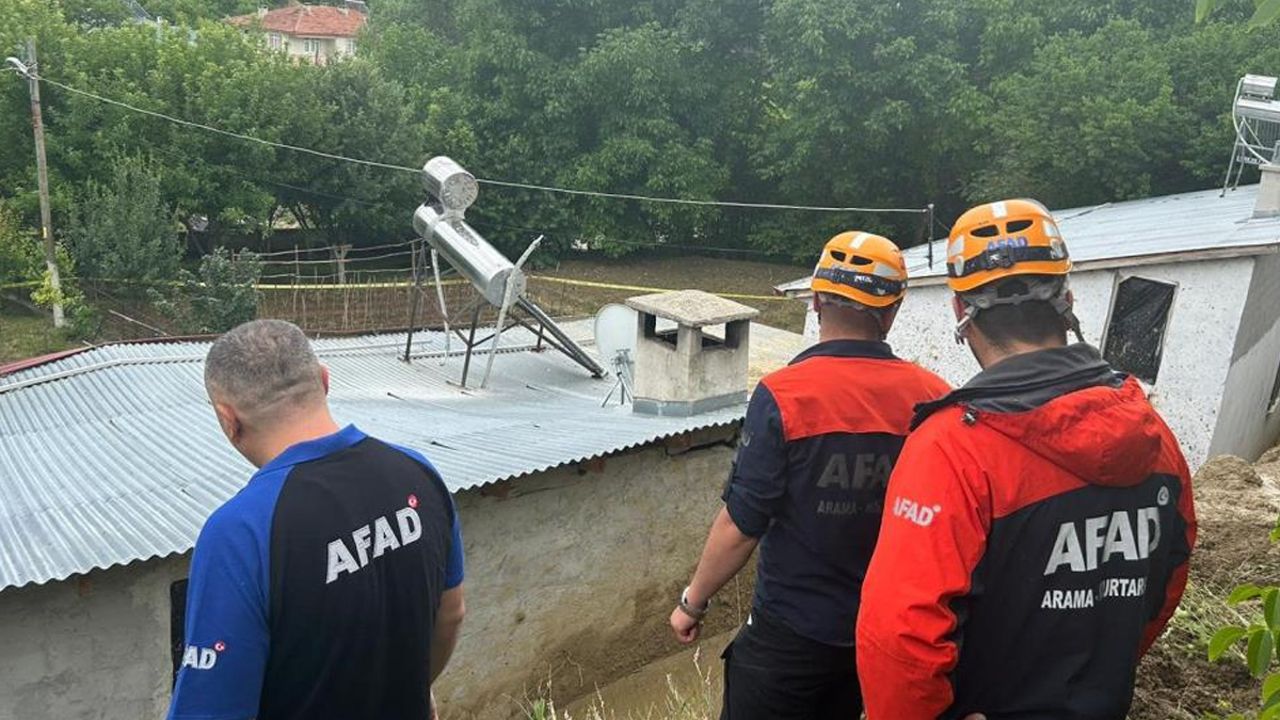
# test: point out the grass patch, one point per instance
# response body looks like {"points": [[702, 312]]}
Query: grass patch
{"points": [[24, 336], [699, 700]]}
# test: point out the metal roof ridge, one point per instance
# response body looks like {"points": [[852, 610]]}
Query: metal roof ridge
{"points": [[6, 387]]}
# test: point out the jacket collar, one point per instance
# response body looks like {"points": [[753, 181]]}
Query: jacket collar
{"points": [[309, 450], [1027, 381], [874, 349]]}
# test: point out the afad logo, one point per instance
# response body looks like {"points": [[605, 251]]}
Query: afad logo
{"points": [[202, 658], [921, 515]]}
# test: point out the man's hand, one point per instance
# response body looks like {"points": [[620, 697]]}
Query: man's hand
{"points": [[685, 627]]}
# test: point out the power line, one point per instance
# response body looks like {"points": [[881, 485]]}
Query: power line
{"points": [[220, 131], [683, 201], [487, 181], [635, 243]]}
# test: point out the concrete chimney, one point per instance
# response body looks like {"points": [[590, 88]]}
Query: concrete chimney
{"points": [[685, 370], [1268, 204]]}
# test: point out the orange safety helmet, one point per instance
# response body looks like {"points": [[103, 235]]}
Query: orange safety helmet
{"points": [[862, 267], [1003, 239]]}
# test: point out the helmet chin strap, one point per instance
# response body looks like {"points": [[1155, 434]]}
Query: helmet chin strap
{"points": [[1069, 318], [962, 327]]}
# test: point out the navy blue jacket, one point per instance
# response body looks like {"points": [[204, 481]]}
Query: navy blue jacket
{"points": [[819, 441]]}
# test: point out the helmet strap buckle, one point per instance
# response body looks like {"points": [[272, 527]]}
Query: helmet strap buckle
{"points": [[962, 327]]}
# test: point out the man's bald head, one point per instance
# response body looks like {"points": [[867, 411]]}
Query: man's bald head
{"points": [[264, 369]]}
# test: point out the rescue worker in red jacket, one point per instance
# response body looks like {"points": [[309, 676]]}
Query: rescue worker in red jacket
{"points": [[1039, 522], [818, 443]]}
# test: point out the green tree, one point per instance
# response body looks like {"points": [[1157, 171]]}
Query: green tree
{"points": [[21, 259], [122, 229], [1264, 11], [220, 296], [1093, 118]]}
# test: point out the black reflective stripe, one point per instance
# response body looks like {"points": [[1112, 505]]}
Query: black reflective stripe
{"points": [[1003, 257], [873, 284]]}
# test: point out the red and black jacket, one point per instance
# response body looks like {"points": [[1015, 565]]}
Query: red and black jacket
{"points": [[1035, 542], [818, 444]]}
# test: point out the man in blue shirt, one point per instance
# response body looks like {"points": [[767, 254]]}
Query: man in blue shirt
{"points": [[330, 586]]}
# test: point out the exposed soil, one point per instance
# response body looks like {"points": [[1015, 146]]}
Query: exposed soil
{"points": [[1237, 505]]}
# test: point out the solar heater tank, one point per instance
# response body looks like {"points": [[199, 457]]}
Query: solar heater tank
{"points": [[469, 253]]}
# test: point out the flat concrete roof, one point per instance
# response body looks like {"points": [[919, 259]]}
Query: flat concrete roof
{"points": [[692, 307]]}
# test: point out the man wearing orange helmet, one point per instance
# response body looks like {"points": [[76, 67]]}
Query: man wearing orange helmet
{"points": [[818, 443], [1040, 519]]}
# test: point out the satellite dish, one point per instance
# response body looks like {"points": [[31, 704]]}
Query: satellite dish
{"points": [[615, 331]]}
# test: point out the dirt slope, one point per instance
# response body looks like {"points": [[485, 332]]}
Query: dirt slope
{"points": [[1237, 505]]}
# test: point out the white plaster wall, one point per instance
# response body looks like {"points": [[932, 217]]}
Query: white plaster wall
{"points": [[1197, 354], [1245, 425], [329, 47], [571, 575], [95, 646]]}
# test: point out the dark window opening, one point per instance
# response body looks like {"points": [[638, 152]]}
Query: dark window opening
{"points": [[1136, 330], [839, 256], [1274, 406], [666, 335], [986, 231], [177, 623], [725, 335], [1019, 225]]}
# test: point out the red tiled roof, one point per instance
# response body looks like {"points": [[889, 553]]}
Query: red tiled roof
{"points": [[306, 21]]}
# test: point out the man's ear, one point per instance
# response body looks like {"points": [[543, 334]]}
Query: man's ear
{"points": [[228, 420], [957, 306], [324, 378]]}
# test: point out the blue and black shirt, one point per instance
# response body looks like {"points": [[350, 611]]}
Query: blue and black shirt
{"points": [[314, 591], [819, 441]]}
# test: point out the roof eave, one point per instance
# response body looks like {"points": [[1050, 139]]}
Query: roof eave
{"points": [[1221, 253]]}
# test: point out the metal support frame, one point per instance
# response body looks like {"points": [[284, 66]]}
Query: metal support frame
{"points": [[620, 363], [508, 298], [413, 307], [537, 322]]}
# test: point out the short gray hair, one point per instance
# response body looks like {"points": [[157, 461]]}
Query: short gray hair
{"points": [[832, 299], [263, 366]]}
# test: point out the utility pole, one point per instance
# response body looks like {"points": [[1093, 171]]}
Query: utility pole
{"points": [[42, 170]]}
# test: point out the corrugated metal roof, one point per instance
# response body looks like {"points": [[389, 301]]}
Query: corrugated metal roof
{"points": [[114, 455], [1172, 224]]}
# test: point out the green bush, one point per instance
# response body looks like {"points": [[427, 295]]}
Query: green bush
{"points": [[122, 230], [217, 298], [22, 265], [1261, 640], [20, 257]]}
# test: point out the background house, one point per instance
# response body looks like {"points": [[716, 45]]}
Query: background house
{"points": [[1182, 291], [313, 32], [582, 519]]}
